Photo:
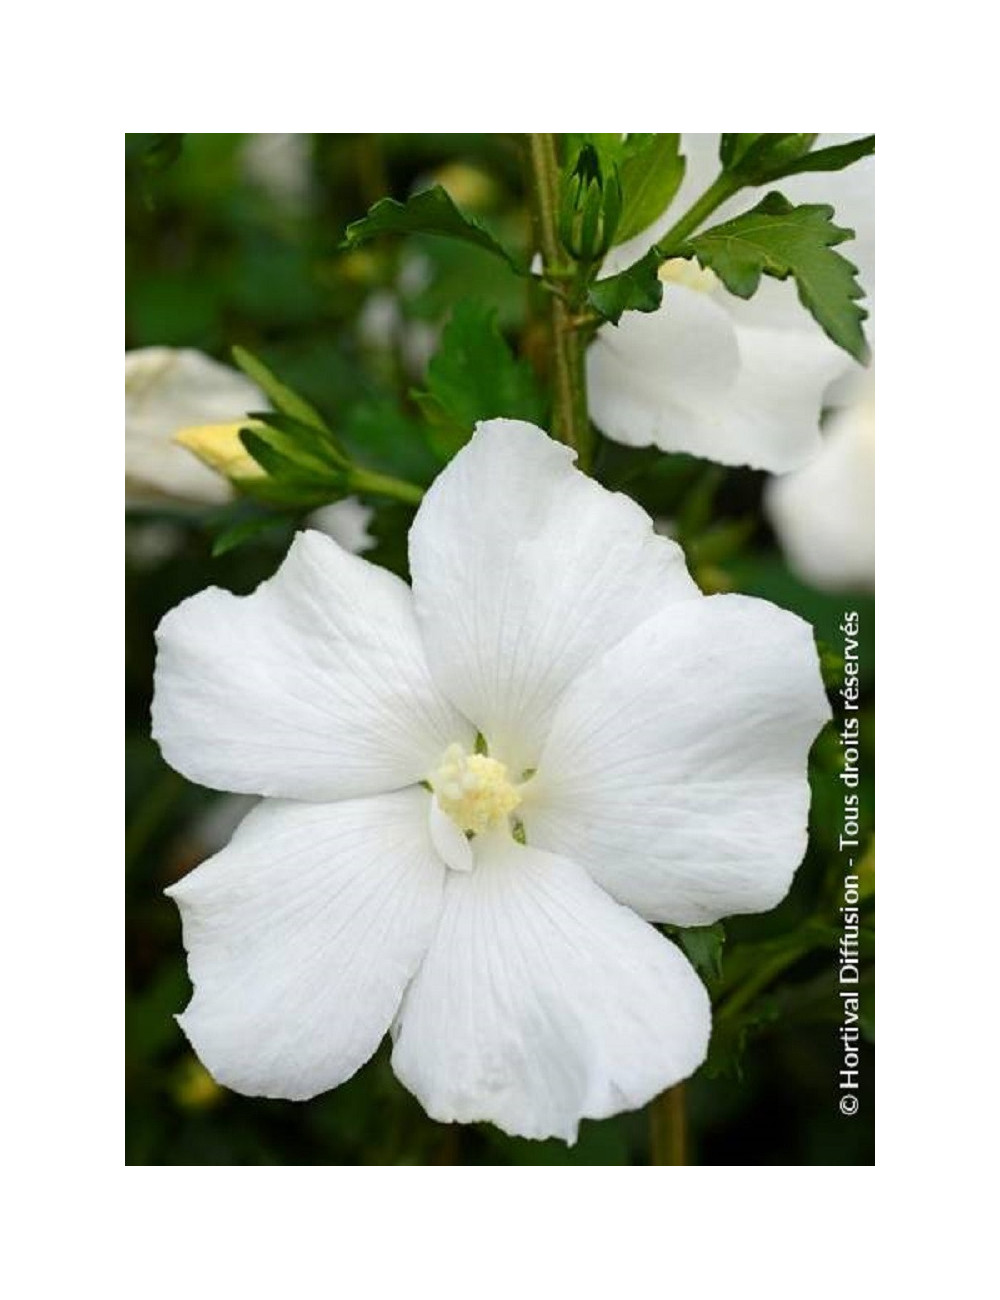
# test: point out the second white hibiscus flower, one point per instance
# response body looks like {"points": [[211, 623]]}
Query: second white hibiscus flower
{"points": [[475, 791]]}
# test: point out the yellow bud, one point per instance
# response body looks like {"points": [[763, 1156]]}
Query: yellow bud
{"points": [[219, 447]]}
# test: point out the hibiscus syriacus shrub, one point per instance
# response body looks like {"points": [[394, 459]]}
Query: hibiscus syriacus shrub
{"points": [[465, 593]]}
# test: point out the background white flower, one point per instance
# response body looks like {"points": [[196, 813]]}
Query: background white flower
{"points": [[168, 390], [646, 743], [824, 514], [734, 381]]}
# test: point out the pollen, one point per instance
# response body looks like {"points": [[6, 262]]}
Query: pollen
{"points": [[474, 790]]}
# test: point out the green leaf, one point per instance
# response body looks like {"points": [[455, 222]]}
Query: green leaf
{"points": [[287, 482], [703, 945], [756, 159], [777, 239], [153, 153], [279, 393], [245, 530], [431, 212], [651, 170], [833, 159], [733, 147], [637, 288], [381, 437], [293, 441], [474, 376], [303, 441]]}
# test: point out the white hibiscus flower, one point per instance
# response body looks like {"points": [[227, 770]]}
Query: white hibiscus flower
{"points": [[733, 381], [824, 514], [475, 791], [179, 391]]}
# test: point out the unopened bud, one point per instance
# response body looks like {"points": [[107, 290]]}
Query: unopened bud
{"points": [[219, 447]]}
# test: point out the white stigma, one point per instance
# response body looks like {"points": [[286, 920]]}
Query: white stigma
{"points": [[474, 790], [690, 273]]}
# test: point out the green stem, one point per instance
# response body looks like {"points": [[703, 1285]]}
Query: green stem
{"points": [[668, 1128], [747, 991], [722, 188], [367, 480], [570, 420]]}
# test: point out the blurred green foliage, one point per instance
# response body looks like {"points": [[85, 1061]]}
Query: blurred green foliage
{"points": [[236, 240]]}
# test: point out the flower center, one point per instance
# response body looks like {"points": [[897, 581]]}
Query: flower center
{"points": [[690, 273], [474, 790]]}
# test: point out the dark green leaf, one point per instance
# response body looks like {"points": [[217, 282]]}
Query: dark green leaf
{"points": [[380, 436], [651, 171], [637, 288], [303, 440], [780, 240], [703, 945], [153, 153], [286, 436], [756, 159], [279, 393], [244, 531], [287, 482], [431, 212], [475, 376], [733, 147], [833, 159]]}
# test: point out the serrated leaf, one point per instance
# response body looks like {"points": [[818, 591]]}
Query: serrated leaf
{"points": [[475, 376], [703, 946], [780, 240], [651, 171], [431, 212], [279, 393], [637, 288]]}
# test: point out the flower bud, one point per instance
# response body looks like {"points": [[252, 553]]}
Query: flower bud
{"points": [[589, 208], [219, 447]]}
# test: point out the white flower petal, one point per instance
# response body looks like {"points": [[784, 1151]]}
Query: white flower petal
{"points": [[302, 936], [523, 571], [452, 847], [541, 1001], [824, 515], [675, 769], [643, 374], [768, 418], [688, 378], [313, 687], [169, 389]]}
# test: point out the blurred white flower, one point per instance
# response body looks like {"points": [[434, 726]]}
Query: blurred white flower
{"points": [[182, 419], [347, 523], [641, 753], [734, 381], [167, 390], [281, 164], [824, 514]]}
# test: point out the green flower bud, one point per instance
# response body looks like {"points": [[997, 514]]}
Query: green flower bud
{"points": [[589, 208]]}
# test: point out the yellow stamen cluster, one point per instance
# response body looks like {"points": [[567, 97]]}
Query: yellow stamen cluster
{"points": [[474, 790]]}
